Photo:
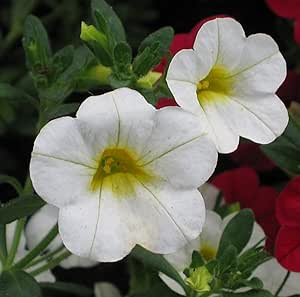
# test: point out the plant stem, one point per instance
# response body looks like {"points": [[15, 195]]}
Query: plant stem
{"points": [[15, 243], [51, 264], [38, 249], [3, 247], [45, 257], [283, 283]]}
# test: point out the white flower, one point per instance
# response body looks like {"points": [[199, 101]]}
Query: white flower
{"points": [[39, 225], [206, 244], [123, 173], [46, 276], [229, 81], [104, 289], [272, 274]]}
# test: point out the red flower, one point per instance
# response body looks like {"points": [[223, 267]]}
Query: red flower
{"points": [[289, 9], [185, 41], [242, 185], [287, 249], [163, 102]]}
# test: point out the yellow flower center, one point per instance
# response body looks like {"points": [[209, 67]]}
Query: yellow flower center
{"points": [[118, 171], [217, 85], [208, 252]]}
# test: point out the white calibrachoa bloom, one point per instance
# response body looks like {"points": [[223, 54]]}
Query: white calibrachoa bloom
{"points": [[123, 173], [206, 244], [39, 225], [229, 81]]}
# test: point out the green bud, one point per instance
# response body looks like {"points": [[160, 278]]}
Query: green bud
{"points": [[149, 80], [234, 207], [199, 279]]}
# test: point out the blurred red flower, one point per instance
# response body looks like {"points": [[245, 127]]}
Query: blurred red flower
{"points": [[163, 102], [287, 247], [290, 89], [242, 185], [289, 9]]}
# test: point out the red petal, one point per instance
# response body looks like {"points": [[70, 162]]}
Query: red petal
{"points": [[297, 31], [271, 227], [238, 185], [249, 154], [163, 102], [287, 249], [288, 204], [264, 203], [285, 8]]}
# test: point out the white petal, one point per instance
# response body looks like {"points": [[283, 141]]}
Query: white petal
{"points": [[262, 68], [212, 230], [273, 268], [61, 182], [129, 116], [186, 158], [173, 285], [105, 289], [187, 66], [264, 117], [39, 225], [220, 130], [106, 229], [75, 261], [221, 41], [46, 276], [210, 194]]}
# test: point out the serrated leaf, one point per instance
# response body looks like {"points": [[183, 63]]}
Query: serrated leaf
{"points": [[285, 150], [20, 207], [233, 235], [17, 283], [159, 263]]}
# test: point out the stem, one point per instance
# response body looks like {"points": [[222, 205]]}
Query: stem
{"points": [[15, 243], [51, 264], [45, 257], [38, 249], [3, 247], [283, 283]]}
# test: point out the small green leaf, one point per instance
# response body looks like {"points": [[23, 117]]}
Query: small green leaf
{"points": [[36, 45], [62, 59], [159, 263], [63, 110], [251, 293], [233, 235], [122, 54], [51, 289], [20, 207], [16, 283], [285, 150], [197, 260], [228, 258], [254, 283], [106, 19]]}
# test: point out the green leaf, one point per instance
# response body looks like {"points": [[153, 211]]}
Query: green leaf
{"points": [[11, 181], [254, 283], [107, 21], [37, 47], [16, 283], [251, 293], [159, 263], [122, 54], [19, 11], [62, 59], [20, 207], [62, 288], [228, 258], [197, 260], [63, 110], [163, 36], [152, 50], [232, 234], [285, 150]]}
